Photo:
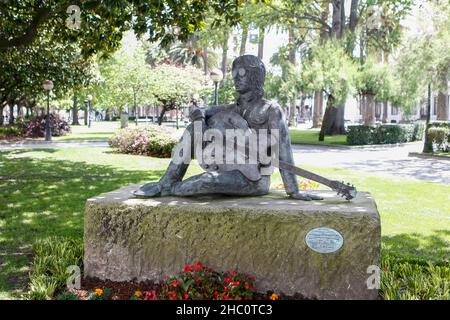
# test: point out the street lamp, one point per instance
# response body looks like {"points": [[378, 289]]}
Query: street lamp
{"points": [[216, 76], [89, 98], [48, 86]]}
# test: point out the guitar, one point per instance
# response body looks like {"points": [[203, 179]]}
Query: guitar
{"points": [[223, 121]]}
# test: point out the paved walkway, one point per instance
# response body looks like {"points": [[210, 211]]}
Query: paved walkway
{"points": [[53, 144], [390, 160], [393, 160]]}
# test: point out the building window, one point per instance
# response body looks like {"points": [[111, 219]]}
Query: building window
{"points": [[378, 110], [394, 111]]}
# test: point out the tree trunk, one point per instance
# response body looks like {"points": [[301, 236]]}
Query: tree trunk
{"points": [[369, 112], [11, 110], [353, 21], [353, 16], [342, 30], [318, 109], [291, 57], [85, 114], [108, 115], [161, 116], [335, 123], [261, 43], [428, 144], [318, 95], [224, 56], [75, 121], [442, 98], [336, 27], [326, 118], [324, 32], [205, 61], [243, 39]]}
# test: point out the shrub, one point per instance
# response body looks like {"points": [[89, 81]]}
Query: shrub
{"points": [[197, 282], [49, 272], [439, 136], [67, 296], [11, 131], [36, 127], [150, 141], [384, 134]]}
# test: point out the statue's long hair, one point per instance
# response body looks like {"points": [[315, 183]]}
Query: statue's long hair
{"points": [[256, 72]]}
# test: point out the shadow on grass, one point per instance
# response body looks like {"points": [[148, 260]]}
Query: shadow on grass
{"points": [[433, 248], [40, 198]]}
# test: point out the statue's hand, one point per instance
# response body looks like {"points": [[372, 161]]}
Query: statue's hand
{"points": [[304, 196], [197, 114]]}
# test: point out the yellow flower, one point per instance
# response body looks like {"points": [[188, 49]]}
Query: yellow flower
{"points": [[274, 296], [138, 293], [99, 292]]}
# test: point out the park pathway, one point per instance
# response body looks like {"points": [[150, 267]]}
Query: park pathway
{"points": [[386, 160], [381, 160]]}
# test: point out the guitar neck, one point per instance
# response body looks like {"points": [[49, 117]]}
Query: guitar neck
{"points": [[305, 174]]}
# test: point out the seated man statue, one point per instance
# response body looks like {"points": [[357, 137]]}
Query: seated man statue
{"points": [[249, 75]]}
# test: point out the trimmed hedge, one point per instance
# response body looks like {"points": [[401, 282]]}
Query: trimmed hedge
{"points": [[385, 133], [443, 125]]}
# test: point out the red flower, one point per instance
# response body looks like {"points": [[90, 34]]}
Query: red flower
{"points": [[234, 273], [216, 294], [175, 284], [236, 283], [150, 295], [198, 266], [188, 269], [225, 297], [173, 293], [186, 296], [226, 280], [246, 286]]}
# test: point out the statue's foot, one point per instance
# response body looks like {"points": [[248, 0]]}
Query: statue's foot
{"points": [[149, 190], [305, 196]]}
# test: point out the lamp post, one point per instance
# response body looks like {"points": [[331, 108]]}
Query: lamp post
{"points": [[89, 98], [216, 76], [48, 86]]}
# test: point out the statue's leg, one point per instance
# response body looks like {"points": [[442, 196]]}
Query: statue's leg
{"points": [[227, 183], [174, 172]]}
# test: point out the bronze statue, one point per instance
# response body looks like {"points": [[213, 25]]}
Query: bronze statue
{"points": [[250, 112]]}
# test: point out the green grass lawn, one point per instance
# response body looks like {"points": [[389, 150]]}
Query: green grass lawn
{"points": [[99, 131], [43, 193], [312, 137], [442, 153], [102, 131]]}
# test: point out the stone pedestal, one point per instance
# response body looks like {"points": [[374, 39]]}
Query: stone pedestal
{"points": [[272, 238]]}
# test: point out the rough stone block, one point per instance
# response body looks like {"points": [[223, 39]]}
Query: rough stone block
{"points": [[265, 237]]}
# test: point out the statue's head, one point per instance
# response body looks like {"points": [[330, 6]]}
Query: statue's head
{"points": [[249, 75]]}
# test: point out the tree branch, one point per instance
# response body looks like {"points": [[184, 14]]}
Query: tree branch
{"points": [[41, 15]]}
